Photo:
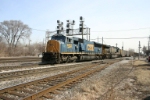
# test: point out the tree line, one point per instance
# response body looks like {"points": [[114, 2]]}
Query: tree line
{"points": [[13, 35]]}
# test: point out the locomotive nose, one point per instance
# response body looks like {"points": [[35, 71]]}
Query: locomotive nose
{"points": [[53, 46]]}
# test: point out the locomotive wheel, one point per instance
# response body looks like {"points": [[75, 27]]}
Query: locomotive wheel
{"points": [[68, 59], [58, 61]]}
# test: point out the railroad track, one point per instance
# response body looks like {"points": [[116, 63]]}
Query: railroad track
{"points": [[2, 68], [34, 70], [44, 88], [19, 59]]}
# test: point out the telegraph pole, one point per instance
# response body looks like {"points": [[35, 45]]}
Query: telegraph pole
{"points": [[82, 30], [89, 34], [102, 40], [148, 43], [122, 45], [102, 46], [116, 44], [139, 50]]}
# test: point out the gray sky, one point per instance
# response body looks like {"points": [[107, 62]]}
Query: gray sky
{"points": [[104, 17]]}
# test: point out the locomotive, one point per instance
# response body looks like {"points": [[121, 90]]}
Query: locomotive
{"points": [[63, 49]]}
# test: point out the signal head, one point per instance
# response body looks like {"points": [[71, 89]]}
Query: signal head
{"points": [[81, 18], [68, 21], [58, 21], [68, 25], [61, 23], [73, 22]]}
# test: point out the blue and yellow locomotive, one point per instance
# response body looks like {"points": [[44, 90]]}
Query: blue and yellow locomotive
{"points": [[62, 49]]}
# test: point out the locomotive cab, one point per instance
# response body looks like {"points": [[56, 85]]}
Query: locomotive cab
{"points": [[52, 54]]}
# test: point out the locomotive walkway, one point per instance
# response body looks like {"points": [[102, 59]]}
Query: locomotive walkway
{"points": [[45, 88]]}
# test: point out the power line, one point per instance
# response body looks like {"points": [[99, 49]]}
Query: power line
{"points": [[103, 31], [38, 29], [128, 38], [124, 38], [123, 30]]}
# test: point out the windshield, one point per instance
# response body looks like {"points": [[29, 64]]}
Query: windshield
{"points": [[59, 38]]}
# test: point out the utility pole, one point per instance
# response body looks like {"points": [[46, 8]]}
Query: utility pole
{"points": [[82, 30], [29, 47], [89, 34], [102, 40], [122, 45], [139, 50], [116, 44], [102, 46], [148, 43]]}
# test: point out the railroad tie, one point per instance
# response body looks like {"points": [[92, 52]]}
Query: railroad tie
{"points": [[35, 88], [48, 96], [27, 91], [60, 89], [15, 93], [6, 98]]}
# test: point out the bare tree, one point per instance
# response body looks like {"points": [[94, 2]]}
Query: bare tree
{"points": [[13, 31], [0, 38]]}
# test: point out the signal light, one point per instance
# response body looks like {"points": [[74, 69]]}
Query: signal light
{"points": [[81, 18], [68, 25], [62, 28], [58, 27], [58, 21], [73, 22], [68, 21], [67, 30], [61, 23], [58, 31], [80, 29], [80, 25]]}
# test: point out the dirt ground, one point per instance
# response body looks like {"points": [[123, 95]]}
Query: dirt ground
{"points": [[127, 80], [136, 86]]}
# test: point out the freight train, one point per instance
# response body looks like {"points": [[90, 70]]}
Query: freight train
{"points": [[63, 49]]}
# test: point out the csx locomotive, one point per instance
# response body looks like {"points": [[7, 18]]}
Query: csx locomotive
{"points": [[65, 49]]}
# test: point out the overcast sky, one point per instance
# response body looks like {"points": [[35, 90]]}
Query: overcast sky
{"points": [[102, 16]]}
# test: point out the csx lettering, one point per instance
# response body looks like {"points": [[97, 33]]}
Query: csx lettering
{"points": [[69, 45]]}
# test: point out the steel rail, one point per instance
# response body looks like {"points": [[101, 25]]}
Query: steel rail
{"points": [[6, 60], [10, 75]]}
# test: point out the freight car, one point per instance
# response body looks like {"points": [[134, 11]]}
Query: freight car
{"points": [[63, 49]]}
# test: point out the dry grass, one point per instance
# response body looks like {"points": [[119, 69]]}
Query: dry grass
{"points": [[142, 73], [139, 62]]}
